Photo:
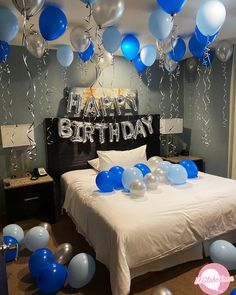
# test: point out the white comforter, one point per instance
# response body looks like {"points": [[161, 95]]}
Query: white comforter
{"points": [[128, 233]]}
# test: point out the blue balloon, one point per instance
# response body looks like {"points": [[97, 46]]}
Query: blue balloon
{"points": [[210, 17], [143, 168], [164, 165], [9, 25], [207, 59], [52, 23], [10, 255], [148, 55], [4, 51], [160, 24], [170, 6], [111, 39], [178, 51], [88, 53], [38, 259], [177, 174], [224, 253], [104, 181], [52, 277], [130, 47], [81, 270], [233, 292], [65, 55], [139, 65], [117, 173], [205, 40], [197, 49], [130, 175], [89, 1], [190, 167]]}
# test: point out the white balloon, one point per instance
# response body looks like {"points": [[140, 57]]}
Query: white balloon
{"points": [[138, 188], [79, 39], [36, 238], [161, 175], [148, 55], [151, 181], [15, 231], [152, 162]]}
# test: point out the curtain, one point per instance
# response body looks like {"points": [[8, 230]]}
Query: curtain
{"points": [[232, 122]]}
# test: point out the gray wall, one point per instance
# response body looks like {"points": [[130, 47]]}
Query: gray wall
{"points": [[122, 74], [216, 154]]}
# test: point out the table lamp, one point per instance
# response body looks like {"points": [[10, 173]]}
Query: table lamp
{"points": [[170, 127], [15, 137]]}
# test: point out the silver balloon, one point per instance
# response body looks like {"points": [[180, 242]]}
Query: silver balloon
{"points": [[105, 104], [89, 130], [151, 181], [46, 226], [148, 122], [170, 64], [127, 130], [138, 188], [119, 104], [74, 101], [101, 127], [103, 61], [63, 253], [139, 130], [78, 134], [114, 132], [224, 50], [79, 39], [91, 108], [153, 161], [28, 7], [64, 128], [160, 174], [35, 44], [165, 46], [162, 291], [191, 64], [107, 13]]}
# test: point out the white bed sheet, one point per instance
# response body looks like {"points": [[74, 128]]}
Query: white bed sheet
{"points": [[128, 234]]}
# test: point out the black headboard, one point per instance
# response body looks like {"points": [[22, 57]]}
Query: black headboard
{"points": [[64, 156]]}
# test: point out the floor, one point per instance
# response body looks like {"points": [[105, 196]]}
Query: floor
{"points": [[178, 279]]}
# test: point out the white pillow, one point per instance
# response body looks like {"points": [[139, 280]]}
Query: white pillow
{"points": [[125, 159], [94, 163]]}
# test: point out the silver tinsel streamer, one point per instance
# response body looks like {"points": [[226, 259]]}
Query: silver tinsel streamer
{"points": [[162, 106], [198, 98], [171, 145], [224, 117], [3, 90], [176, 76], [149, 77]]}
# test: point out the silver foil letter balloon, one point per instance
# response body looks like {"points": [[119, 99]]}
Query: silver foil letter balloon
{"points": [[139, 129], [131, 101], [91, 108], [78, 134], [127, 130], [101, 127], [120, 102], [64, 128], [89, 130], [114, 132], [148, 122], [74, 102], [105, 104]]}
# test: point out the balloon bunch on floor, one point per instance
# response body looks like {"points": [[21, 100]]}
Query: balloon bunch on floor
{"points": [[146, 176], [47, 268]]}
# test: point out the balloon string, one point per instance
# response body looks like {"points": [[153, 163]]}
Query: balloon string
{"points": [[88, 20], [149, 77], [225, 121], [4, 107], [162, 104], [171, 145], [176, 77], [197, 106], [113, 70], [40, 78]]}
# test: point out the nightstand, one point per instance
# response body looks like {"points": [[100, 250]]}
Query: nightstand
{"points": [[198, 161], [26, 198]]}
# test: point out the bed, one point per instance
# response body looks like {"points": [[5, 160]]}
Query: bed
{"points": [[168, 227]]}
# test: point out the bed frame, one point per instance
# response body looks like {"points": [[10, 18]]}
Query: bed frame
{"points": [[64, 156]]}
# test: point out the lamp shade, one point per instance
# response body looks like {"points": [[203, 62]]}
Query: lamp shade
{"points": [[16, 135], [171, 126]]}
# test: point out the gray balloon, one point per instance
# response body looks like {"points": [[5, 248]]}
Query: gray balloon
{"points": [[107, 13], [162, 291], [191, 64], [138, 188], [166, 45], [170, 64], [160, 174], [35, 44], [151, 181], [224, 51], [79, 39], [28, 7], [63, 253]]}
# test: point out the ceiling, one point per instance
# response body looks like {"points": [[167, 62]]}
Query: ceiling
{"points": [[135, 19]]}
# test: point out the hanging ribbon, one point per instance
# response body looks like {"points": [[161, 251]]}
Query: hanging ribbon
{"points": [[176, 76], [3, 90], [224, 117], [162, 106]]}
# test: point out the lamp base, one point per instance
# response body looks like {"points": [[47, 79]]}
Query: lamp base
{"points": [[19, 162]]}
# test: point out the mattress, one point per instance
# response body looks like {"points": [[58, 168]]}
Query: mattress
{"points": [[129, 233]]}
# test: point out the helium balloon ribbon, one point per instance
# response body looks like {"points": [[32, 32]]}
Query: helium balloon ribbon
{"points": [[197, 102], [88, 20], [4, 105], [149, 77], [40, 81], [32, 150], [171, 94], [176, 76], [225, 121], [65, 76], [161, 104], [113, 69]]}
